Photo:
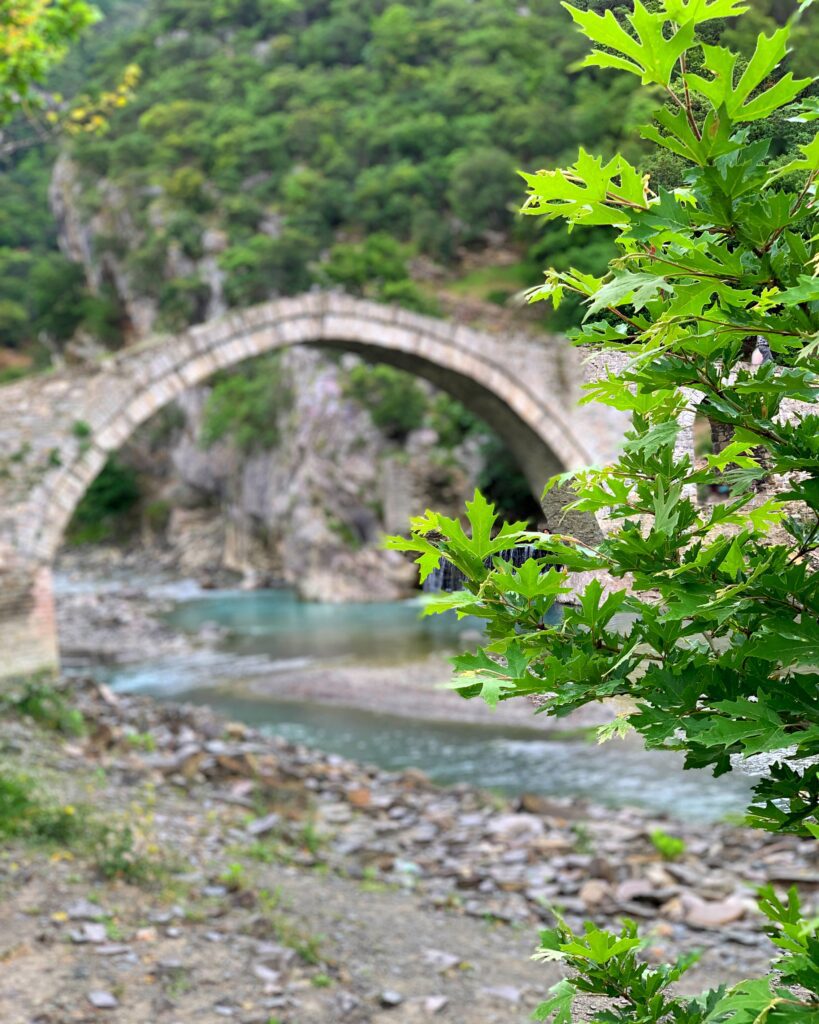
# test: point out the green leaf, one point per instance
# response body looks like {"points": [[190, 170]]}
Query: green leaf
{"points": [[666, 507], [745, 1003], [589, 192], [650, 55], [699, 11], [788, 642], [530, 581], [806, 291], [722, 91], [628, 290], [480, 675], [734, 561], [461, 601], [754, 726], [558, 1008], [661, 435], [618, 727], [482, 518], [429, 558], [808, 162]]}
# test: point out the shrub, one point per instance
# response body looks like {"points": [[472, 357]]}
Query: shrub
{"points": [[106, 505], [157, 514], [378, 259], [16, 803], [245, 406], [182, 301], [264, 266], [719, 655], [394, 399], [669, 847], [36, 699]]}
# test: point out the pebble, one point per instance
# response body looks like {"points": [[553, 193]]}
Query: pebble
{"points": [[440, 960], [390, 998], [704, 914], [508, 993], [266, 974], [261, 826], [102, 1000], [84, 910], [90, 932], [434, 1004]]}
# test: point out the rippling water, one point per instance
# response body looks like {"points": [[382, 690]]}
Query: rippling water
{"points": [[270, 632]]}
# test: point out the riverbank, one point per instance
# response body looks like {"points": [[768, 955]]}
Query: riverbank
{"points": [[267, 881]]}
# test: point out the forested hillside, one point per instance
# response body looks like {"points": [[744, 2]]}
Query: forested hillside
{"points": [[273, 145]]}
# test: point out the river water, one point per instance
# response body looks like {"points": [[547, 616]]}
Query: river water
{"points": [[270, 634]]}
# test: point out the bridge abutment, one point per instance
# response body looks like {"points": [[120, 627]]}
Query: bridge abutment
{"points": [[28, 626]]}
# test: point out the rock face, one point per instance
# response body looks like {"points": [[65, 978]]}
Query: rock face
{"points": [[82, 238], [310, 512]]}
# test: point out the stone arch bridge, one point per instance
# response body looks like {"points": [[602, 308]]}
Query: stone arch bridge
{"points": [[58, 429]]}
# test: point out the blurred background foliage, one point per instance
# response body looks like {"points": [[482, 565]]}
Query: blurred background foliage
{"points": [[345, 143]]}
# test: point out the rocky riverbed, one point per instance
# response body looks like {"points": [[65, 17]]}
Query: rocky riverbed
{"points": [[267, 882]]}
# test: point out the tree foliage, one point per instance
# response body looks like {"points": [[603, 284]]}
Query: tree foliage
{"points": [[35, 35], [287, 130], [246, 405], [712, 303], [105, 507], [314, 135]]}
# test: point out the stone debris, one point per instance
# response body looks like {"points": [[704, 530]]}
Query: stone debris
{"points": [[84, 910], [505, 993]]}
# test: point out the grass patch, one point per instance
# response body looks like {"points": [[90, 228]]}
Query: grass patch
{"points": [[36, 699], [115, 850], [23, 814], [492, 284]]}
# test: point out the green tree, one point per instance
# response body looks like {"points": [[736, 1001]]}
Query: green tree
{"points": [[104, 510], [394, 399], [35, 35], [711, 302], [482, 190], [246, 405]]}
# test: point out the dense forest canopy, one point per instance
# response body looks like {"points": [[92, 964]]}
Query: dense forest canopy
{"points": [[330, 142]]}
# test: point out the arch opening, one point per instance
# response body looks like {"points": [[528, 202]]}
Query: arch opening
{"points": [[211, 481]]}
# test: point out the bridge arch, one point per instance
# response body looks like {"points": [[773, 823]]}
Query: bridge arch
{"points": [[59, 429]]}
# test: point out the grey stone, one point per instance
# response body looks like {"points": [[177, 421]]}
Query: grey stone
{"points": [[506, 993], [102, 1000], [90, 932], [261, 826], [85, 910], [389, 998]]}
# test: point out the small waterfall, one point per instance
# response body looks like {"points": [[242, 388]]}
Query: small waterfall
{"points": [[447, 577]]}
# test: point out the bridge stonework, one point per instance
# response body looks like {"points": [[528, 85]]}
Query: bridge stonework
{"points": [[58, 429]]}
